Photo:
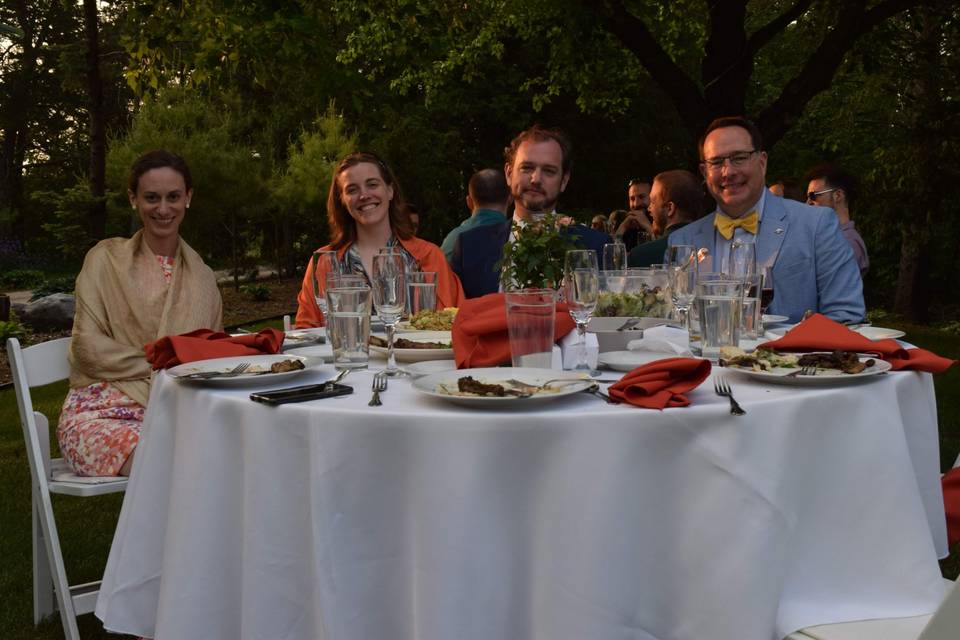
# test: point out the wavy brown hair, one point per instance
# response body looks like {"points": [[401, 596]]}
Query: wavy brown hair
{"points": [[343, 228]]}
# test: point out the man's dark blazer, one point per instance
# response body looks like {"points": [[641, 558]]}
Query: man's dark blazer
{"points": [[477, 251]]}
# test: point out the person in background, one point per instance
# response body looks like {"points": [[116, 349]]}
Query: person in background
{"points": [[675, 200], [537, 169], [366, 213], [831, 186], [812, 265], [599, 223], [488, 197], [413, 212], [636, 226], [130, 292]]}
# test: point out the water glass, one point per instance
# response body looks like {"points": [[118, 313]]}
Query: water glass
{"points": [[751, 320], [389, 296], [348, 324], [741, 259], [530, 325], [719, 303], [421, 291], [581, 289], [322, 264], [614, 256]]}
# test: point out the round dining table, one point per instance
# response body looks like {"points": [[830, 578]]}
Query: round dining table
{"points": [[564, 519]]}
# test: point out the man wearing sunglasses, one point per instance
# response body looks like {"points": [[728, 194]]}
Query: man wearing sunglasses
{"points": [[812, 265], [831, 186]]}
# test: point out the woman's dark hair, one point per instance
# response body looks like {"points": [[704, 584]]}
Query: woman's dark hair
{"points": [[158, 159], [343, 228]]}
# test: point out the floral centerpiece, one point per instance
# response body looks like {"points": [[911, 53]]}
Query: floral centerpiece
{"points": [[534, 258]]}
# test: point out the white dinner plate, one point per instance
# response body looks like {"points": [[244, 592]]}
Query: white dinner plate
{"points": [[773, 319], [321, 352], [823, 378], [426, 367], [303, 337], [254, 375], [879, 333], [436, 383], [630, 360], [418, 355]]}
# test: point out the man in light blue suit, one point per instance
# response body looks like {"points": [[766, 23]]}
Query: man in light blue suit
{"points": [[812, 265]]}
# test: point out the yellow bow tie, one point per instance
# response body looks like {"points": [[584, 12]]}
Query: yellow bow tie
{"points": [[726, 225]]}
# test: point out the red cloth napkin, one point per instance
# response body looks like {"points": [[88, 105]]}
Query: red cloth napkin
{"points": [[480, 337], [661, 383], [951, 504], [820, 333], [204, 344]]}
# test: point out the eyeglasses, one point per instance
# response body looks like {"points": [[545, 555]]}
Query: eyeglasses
{"points": [[737, 159], [813, 195]]}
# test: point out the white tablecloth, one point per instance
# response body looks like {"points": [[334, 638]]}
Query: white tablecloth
{"points": [[420, 520]]}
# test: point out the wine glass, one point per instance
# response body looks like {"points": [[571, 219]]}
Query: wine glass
{"points": [[741, 259], [683, 265], [614, 256], [766, 292], [389, 296], [323, 264], [581, 288]]}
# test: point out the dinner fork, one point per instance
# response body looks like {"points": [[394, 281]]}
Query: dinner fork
{"points": [[723, 389], [803, 371], [202, 375], [379, 384]]}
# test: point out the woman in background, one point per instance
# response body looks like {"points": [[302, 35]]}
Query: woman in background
{"points": [[366, 213], [130, 292]]}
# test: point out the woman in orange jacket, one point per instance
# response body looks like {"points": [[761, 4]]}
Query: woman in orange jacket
{"points": [[366, 213]]}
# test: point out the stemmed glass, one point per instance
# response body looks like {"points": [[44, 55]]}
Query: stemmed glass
{"points": [[581, 279], [389, 296], [614, 256], [682, 262], [324, 264], [766, 293], [742, 259]]}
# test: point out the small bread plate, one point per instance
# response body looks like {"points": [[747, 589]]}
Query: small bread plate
{"points": [[304, 337], [630, 360], [257, 373], [427, 367], [404, 354], [773, 319], [879, 333], [443, 385], [823, 377]]}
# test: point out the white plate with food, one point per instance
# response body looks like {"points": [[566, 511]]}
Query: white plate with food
{"points": [[507, 387], [630, 360], [773, 319], [816, 369], [414, 347], [304, 337], [262, 369], [427, 367], [431, 320]]}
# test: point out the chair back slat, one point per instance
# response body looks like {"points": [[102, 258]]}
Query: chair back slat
{"points": [[47, 362]]}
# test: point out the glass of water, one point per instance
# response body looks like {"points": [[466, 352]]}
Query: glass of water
{"points": [[421, 291], [719, 305], [348, 321]]}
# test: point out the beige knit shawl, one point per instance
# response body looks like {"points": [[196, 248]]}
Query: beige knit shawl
{"points": [[123, 303]]}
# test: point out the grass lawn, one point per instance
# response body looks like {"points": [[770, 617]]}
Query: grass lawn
{"points": [[86, 524]]}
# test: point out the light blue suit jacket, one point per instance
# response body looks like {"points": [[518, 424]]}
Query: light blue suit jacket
{"points": [[813, 266]]}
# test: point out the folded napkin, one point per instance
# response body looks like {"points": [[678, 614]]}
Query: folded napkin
{"points": [[820, 333], [661, 383], [204, 344], [663, 340], [480, 337]]}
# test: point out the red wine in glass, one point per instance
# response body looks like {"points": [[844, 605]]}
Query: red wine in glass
{"points": [[766, 297]]}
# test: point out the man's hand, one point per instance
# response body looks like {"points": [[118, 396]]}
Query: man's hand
{"points": [[635, 220]]}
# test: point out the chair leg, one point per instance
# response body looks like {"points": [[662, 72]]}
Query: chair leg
{"points": [[43, 603], [55, 567]]}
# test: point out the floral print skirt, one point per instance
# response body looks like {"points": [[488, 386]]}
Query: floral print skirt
{"points": [[99, 428]]}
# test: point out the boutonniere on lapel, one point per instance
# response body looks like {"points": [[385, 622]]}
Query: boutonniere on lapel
{"points": [[778, 231]]}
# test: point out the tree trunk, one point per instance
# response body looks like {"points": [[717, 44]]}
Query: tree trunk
{"points": [[98, 138]]}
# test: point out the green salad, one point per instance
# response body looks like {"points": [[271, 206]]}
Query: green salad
{"points": [[646, 303]]}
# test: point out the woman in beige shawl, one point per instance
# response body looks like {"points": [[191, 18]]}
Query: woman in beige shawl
{"points": [[130, 292]]}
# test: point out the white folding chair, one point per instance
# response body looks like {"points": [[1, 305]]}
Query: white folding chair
{"points": [[943, 624], [35, 366]]}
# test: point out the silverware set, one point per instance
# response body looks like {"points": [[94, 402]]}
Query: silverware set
{"points": [[722, 388], [238, 370]]}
